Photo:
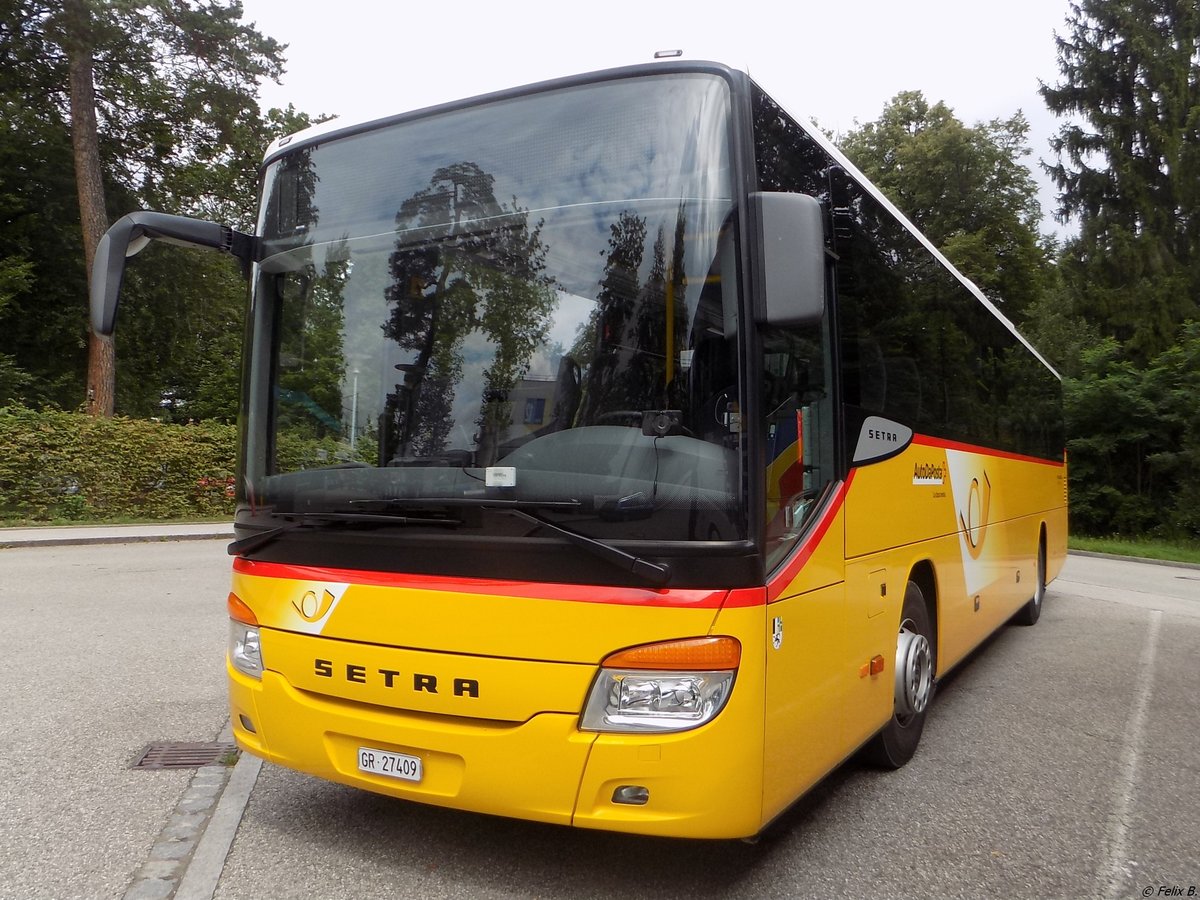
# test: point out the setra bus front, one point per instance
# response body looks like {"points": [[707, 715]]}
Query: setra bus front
{"points": [[494, 547]]}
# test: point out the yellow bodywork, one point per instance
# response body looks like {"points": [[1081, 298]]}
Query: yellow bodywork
{"points": [[485, 681], [499, 733]]}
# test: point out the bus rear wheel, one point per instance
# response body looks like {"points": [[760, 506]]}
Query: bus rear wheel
{"points": [[1032, 611], [913, 678]]}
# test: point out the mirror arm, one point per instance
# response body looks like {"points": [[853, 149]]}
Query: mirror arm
{"points": [[131, 233]]}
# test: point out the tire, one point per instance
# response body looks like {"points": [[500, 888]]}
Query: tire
{"points": [[916, 663], [1032, 611]]}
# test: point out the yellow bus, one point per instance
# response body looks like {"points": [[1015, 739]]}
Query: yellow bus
{"points": [[613, 455]]}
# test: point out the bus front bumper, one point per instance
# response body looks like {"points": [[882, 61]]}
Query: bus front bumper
{"points": [[704, 783]]}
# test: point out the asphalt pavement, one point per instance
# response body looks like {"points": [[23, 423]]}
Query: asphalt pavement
{"points": [[107, 648]]}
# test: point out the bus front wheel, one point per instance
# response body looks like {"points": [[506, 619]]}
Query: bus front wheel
{"points": [[915, 665]]}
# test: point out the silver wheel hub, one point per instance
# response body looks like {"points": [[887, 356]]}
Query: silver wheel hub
{"points": [[914, 672]]}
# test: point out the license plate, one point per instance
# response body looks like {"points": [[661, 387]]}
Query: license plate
{"points": [[393, 765]]}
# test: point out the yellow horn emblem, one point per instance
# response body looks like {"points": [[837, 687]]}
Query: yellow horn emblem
{"points": [[311, 607], [975, 522]]}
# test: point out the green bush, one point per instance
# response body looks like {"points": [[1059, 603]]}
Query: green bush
{"points": [[69, 466], [1135, 441]]}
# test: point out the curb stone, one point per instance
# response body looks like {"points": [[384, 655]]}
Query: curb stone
{"points": [[1136, 559], [76, 535], [188, 855], [159, 876]]}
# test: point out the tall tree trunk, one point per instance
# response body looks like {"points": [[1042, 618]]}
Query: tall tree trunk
{"points": [[85, 140]]}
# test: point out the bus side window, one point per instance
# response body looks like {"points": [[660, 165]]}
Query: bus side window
{"points": [[798, 429], [872, 375]]}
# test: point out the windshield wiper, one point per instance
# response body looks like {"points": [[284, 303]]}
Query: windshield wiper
{"points": [[652, 572], [527, 510], [465, 502], [655, 573], [299, 520]]}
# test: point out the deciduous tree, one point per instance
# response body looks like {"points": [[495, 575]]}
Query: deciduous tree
{"points": [[965, 187]]}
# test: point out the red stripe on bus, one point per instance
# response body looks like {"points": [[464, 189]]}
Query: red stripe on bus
{"points": [[942, 444], [784, 577], [740, 598], [579, 593]]}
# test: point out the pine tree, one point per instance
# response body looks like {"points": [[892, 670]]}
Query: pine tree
{"points": [[1128, 166], [160, 101]]}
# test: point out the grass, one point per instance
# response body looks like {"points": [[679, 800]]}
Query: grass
{"points": [[1143, 548]]}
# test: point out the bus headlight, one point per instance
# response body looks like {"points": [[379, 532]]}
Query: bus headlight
{"points": [[670, 686], [245, 650], [655, 701]]}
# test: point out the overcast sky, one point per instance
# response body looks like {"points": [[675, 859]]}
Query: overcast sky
{"points": [[838, 61]]}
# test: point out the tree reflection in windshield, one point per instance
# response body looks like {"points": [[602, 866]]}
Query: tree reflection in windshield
{"points": [[630, 339], [463, 263]]}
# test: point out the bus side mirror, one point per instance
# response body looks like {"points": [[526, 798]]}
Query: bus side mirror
{"points": [[789, 232], [131, 233]]}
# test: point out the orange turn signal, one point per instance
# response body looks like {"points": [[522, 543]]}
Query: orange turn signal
{"points": [[240, 612], [877, 664], [704, 654]]}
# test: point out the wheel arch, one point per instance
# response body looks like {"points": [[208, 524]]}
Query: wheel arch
{"points": [[925, 577]]}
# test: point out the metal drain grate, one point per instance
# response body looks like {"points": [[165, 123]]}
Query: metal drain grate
{"points": [[183, 755]]}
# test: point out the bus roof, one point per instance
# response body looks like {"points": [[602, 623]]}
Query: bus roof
{"points": [[336, 127]]}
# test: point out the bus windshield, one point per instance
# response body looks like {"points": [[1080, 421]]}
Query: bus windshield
{"points": [[528, 302]]}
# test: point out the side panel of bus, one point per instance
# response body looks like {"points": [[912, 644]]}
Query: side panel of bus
{"points": [[976, 516], [807, 669]]}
